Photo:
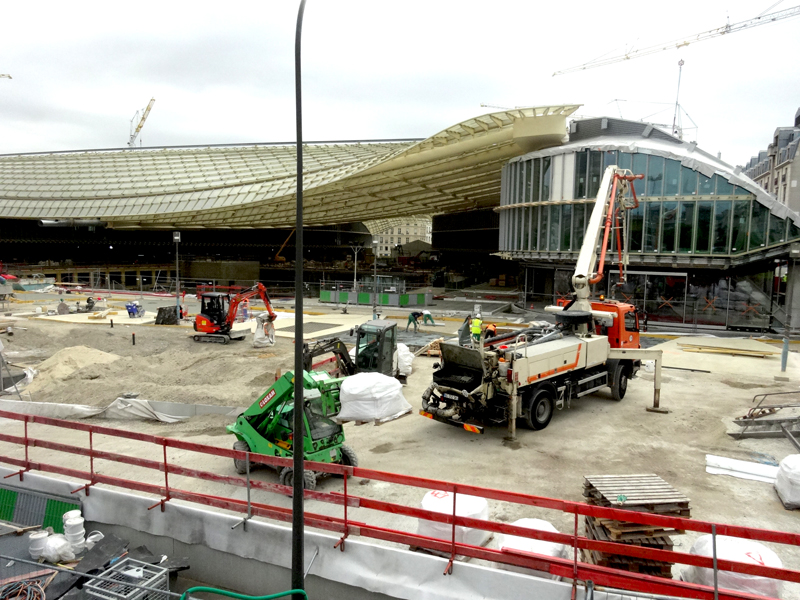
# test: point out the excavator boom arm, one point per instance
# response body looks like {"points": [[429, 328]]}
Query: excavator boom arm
{"points": [[256, 290]]}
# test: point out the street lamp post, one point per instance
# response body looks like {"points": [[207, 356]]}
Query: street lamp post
{"points": [[375, 279], [356, 250], [176, 237]]}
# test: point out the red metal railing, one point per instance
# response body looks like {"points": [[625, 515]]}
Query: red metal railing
{"points": [[571, 569]]}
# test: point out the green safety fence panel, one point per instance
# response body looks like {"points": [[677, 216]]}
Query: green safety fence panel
{"points": [[421, 299], [8, 500], [384, 299], [343, 297], [403, 299], [53, 514], [325, 295], [364, 298]]}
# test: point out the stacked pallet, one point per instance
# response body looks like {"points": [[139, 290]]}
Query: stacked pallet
{"points": [[642, 493]]}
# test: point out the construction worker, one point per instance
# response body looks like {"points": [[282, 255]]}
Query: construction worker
{"points": [[414, 318], [426, 316], [491, 330], [475, 327]]}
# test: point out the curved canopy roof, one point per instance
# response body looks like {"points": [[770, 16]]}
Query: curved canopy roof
{"points": [[254, 185]]}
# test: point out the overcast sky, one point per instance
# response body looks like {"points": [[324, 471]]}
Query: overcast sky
{"points": [[224, 72]]}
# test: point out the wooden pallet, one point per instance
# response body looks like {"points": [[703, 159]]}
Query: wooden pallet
{"points": [[655, 538], [628, 563], [648, 493]]}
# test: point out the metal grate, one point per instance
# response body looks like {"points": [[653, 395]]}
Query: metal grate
{"points": [[130, 579]]}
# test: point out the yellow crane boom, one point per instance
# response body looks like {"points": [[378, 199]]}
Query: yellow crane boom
{"points": [[135, 132], [685, 41]]}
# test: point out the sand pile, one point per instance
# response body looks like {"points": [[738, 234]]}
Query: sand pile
{"points": [[67, 361]]}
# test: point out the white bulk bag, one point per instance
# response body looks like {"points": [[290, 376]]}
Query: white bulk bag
{"points": [[371, 397], [787, 481], [512, 542], [466, 506], [746, 551], [264, 334], [404, 359]]}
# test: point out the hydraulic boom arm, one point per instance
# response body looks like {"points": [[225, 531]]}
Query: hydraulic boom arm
{"points": [[256, 290]]}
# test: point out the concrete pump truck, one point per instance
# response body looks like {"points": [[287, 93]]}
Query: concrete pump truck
{"points": [[529, 373]]}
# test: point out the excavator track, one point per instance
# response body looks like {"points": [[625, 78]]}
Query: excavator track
{"points": [[211, 338]]}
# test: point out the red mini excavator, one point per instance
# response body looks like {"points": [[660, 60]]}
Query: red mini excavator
{"points": [[218, 313]]}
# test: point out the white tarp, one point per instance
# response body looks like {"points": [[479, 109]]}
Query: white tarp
{"points": [[371, 397], [404, 360], [743, 469], [121, 408], [511, 543], [739, 550], [466, 506], [787, 482]]}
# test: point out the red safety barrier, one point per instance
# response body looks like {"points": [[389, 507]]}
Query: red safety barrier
{"points": [[572, 569]]}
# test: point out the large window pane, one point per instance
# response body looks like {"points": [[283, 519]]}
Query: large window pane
{"points": [[706, 185], [526, 228], [535, 227], [636, 226], [794, 231], [578, 225], [737, 191], [724, 187], [777, 230], [639, 168], [686, 227], [546, 177], [758, 226], [520, 187], [705, 211], [526, 174], [544, 215], [652, 218], [555, 213], [688, 182], [741, 212], [535, 179], [566, 225], [625, 160], [655, 176], [722, 226], [595, 173], [609, 159], [672, 176], [581, 162], [668, 227]]}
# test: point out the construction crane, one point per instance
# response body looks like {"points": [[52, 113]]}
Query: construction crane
{"points": [[135, 132], [683, 42]]}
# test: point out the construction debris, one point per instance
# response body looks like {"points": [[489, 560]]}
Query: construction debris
{"points": [[644, 493], [431, 349], [728, 346]]}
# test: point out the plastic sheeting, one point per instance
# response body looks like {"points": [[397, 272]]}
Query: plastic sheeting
{"points": [[512, 542], [466, 506], [371, 397], [121, 408], [743, 469], [264, 333], [787, 481], [746, 551], [405, 358]]}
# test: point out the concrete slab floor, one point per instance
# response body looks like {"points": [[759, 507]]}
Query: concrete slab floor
{"points": [[595, 436]]}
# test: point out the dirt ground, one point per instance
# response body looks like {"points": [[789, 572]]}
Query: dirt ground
{"points": [[595, 436]]}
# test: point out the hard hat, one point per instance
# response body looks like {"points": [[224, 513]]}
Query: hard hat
{"points": [[478, 316]]}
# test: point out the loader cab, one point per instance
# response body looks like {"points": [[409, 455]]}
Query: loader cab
{"points": [[376, 343]]}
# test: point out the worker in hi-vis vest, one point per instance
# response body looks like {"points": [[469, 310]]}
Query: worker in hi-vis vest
{"points": [[475, 327]]}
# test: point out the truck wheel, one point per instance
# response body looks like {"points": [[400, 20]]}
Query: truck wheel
{"points": [[309, 478], [540, 409], [619, 384], [241, 465], [349, 458]]}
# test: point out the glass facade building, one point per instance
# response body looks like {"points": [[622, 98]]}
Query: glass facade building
{"points": [[703, 241]]}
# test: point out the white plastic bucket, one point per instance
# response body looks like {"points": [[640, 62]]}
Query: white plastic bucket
{"points": [[79, 547], [93, 538], [37, 541], [73, 525], [71, 514], [76, 537]]}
